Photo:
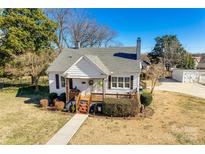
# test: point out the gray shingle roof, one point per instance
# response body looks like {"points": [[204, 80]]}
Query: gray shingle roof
{"points": [[115, 60]]}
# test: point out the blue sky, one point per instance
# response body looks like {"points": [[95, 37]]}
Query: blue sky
{"points": [[187, 24]]}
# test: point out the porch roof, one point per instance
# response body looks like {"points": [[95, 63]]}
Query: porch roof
{"points": [[87, 67], [95, 60]]}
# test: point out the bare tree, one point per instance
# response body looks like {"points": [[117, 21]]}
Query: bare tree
{"points": [[30, 64], [77, 28], [61, 17], [87, 33], [155, 72]]}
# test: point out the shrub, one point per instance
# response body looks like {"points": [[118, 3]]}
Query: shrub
{"points": [[117, 107], [146, 99], [52, 96], [62, 97], [44, 102], [59, 105]]}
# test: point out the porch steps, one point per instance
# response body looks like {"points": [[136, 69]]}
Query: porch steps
{"points": [[83, 103], [83, 108]]}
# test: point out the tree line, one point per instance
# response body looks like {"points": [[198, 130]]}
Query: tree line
{"points": [[28, 38], [77, 29]]}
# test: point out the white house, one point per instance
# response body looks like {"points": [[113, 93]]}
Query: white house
{"points": [[96, 70]]}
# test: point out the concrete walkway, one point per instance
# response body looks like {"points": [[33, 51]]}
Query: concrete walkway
{"points": [[193, 89], [63, 136]]}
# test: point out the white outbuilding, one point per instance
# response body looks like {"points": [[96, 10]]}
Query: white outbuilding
{"points": [[186, 75]]}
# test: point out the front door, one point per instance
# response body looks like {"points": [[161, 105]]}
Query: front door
{"points": [[83, 86]]}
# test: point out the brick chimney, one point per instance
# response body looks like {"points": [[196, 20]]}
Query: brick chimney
{"points": [[138, 48]]}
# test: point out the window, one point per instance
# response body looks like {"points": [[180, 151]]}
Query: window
{"points": [[114, 82], [127, 82], [62, 81], [120, 82]]}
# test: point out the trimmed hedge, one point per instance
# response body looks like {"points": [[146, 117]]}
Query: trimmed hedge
{"points": [[146, 99], [117, 107], [62, 97]]}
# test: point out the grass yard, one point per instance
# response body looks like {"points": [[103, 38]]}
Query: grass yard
{"points": [[22, 123], [178, 119]]}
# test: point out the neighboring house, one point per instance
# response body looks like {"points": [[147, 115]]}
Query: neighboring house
{"points": [[96, 70], [197, 59], [201, 64]]}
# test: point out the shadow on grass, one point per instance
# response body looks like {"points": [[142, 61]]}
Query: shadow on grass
{"points": [[7, 85], [34, 97]]}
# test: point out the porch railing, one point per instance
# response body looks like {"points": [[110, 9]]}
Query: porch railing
{"points": [[98, 97]]}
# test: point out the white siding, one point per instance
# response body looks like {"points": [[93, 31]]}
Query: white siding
{"points": [[83, 69], [86, 88], [136, 81], [190, 76], [52, 84], [202, 78], [177, 75]]}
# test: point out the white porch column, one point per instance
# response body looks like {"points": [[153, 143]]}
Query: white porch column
{"points": [[67, 89], [103, 88]]}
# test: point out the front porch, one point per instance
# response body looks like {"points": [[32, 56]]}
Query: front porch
{"points": [[85, 87], [96, 88], [93, 92]]}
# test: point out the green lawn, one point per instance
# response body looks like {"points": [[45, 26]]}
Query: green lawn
{"points": [[23, 122]]}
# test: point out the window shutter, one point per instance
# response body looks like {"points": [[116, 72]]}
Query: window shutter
{"points": [[109, 82], [57, 81], [70, 83], [131, 80]]}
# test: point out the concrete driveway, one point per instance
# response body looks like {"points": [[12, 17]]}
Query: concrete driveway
{"points": [[194, 89]]}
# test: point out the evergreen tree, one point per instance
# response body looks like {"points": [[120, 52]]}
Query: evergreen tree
{"points": [[167, 49], [187, 62], [24, 30]]}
